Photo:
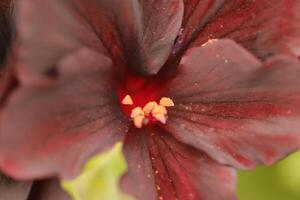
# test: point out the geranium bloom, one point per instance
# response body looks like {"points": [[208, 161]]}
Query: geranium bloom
{"points": [[188, 105]]}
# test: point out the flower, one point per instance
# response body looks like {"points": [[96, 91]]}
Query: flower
{"points": [[75, 62]]}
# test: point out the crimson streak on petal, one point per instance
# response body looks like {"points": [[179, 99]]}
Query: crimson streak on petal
{"points": [[161, 166], [139, 180], [139, 34], [264, 27], [238, 111], [63, 123]]}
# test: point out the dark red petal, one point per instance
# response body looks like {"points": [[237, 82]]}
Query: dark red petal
{"points": [[264, 27], [234, 109], [176, 171], [46, 33], [48, 190], [54, 128], [139, 179], [141, 32], [7, 83], [13, 190]]}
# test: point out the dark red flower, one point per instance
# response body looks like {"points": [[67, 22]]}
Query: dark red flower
{"points": [[74, 62]]}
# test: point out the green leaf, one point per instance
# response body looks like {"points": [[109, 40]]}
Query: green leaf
{"points": [[100, 178], [277, 182]]}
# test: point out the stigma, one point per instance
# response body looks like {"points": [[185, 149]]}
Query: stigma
{"points": [[151, 112]]}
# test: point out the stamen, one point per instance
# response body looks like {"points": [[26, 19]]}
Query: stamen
{"points": [[150, 113], [149, 107], [159, 110], [137, 112], [127, 100], [138, 121], [160, 114], [166, 102], [138, 116], [160, 117]]}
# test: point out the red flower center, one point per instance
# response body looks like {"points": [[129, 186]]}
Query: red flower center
{"points": [[141, 100]]}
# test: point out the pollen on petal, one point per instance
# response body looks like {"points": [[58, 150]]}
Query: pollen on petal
{"points": [[166, 102], [127, 100], [209, 42], [149, 107]]}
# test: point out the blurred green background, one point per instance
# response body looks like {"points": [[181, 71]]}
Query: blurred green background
{"points": [[278, 182]]}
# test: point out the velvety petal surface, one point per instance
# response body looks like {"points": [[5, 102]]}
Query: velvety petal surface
{"points": [[264, 27], [163, 168], [140, 33], [49, 189], [46, 33], [7, 83], [234, 108], [53, 128], [139, 179], [13, 190]]}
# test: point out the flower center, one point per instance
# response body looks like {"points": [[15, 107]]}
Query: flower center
{"points": [[151, 112]]}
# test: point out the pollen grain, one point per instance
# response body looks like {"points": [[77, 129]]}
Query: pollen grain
{"points": [[150, 113], [149, 107], [166, 102], [127, 100]]}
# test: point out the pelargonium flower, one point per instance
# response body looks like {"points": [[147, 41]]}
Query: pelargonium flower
{"points": [[188, 105]]}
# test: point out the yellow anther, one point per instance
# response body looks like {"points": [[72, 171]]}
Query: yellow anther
{"points": [[138, 121], [166, 102], [160, 117], [138, 116], [137, 112], [142, 117], [127, 100], [159, 110], [149, 107]]}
